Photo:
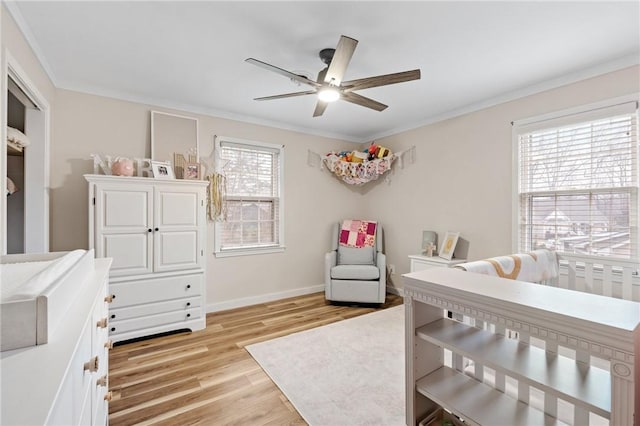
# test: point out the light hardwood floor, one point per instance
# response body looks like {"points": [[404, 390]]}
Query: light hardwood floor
{"points": [[207, 377]]}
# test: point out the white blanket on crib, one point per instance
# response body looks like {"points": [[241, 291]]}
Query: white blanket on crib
{"points": [[537, 266]]}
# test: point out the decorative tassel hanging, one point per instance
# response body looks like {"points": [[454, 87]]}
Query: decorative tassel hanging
{"points": [[217, 189], [217, 208]]}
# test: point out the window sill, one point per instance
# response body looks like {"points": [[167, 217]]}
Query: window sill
{"points": [[249, 251]]}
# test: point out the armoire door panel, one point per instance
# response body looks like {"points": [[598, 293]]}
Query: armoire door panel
{"points": [[121, 210], [129, 252], [176, 209], [176, 250]]}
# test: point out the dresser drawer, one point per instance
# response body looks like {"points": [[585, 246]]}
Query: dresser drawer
{"points": [[175, 319], [139, 292], [71, 404], [100, 382], [120, 314]]}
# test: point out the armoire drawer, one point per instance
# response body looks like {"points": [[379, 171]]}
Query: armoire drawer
{"points": [[137, 311], [129, 293], [174, 319]]}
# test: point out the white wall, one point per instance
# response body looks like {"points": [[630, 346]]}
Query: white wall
{"points": [[16, 50], [86, 124], [462, 177]]}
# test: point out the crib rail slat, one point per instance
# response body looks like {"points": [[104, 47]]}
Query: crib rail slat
{"points": [[607, 283], [478, 367], [588, 279], [550, 404], [500, 379], [571, 275], [580, 416], [627, 283]]}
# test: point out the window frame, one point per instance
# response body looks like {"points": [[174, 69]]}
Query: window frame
{"points": [[586, 112], [219, 251]]}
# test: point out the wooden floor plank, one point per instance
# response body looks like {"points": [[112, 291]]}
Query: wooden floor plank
{"points": [[207, 377]]}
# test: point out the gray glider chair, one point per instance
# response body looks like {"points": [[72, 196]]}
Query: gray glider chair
{"points": [[355, 274]]}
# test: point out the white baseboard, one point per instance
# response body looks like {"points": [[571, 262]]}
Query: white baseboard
{"points": [[254, 300], [270, 297]]}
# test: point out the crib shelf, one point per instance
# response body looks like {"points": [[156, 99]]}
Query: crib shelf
{"points": [[573, 381], [477, 403]]}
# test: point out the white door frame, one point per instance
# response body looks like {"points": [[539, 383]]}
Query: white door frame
{"points": [[36, 160]]}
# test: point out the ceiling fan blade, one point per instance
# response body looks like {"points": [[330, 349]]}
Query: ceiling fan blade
{"points": [[296, 77], [381, 80], [320, 107], [341, 57], [354, 98], [286, 95]]}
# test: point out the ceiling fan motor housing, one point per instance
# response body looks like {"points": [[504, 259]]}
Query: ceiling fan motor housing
{"points": [[326, 55]]}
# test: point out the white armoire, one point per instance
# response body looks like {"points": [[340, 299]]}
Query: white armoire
{"points": [[155, 231]]}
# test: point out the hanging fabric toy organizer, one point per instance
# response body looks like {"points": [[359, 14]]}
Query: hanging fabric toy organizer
{"points": [[358, 168], [358, 173]]}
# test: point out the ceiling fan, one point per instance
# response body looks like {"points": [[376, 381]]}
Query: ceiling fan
{"points": [[329, 86]]}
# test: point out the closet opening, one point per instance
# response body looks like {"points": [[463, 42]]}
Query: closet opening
{"points": [[26, 213]]}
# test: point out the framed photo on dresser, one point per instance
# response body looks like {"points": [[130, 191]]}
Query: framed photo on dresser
{"points": [[162, 170], [449, 245], [192, 171]]}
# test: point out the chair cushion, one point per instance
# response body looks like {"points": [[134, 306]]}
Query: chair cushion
{"points": [[355, 272], [355, 256]]}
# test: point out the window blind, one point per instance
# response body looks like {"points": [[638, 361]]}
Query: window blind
{"points": [[253, 196], [578, 183]]}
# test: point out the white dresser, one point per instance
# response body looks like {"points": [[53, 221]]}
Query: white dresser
{"points": [[419, 262], [155, 231], [63, 382]]}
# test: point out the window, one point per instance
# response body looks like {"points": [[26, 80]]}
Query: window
{"points": [[254, 201], [578, 182]]}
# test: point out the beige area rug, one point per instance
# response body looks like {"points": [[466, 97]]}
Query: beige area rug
{"points": [[346, 373]]}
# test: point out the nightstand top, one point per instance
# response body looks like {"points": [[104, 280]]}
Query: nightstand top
{"points": [[436, 260]]}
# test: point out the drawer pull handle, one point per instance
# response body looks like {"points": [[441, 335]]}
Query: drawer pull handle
{"points": [[188, 285], [108, 344], [108, 396], [113, 329], [113, 316], [91, 365], [149, 230], [102, 323], [188, 303], [188, 315], [157, 229], [109, 298], [102, 381]]}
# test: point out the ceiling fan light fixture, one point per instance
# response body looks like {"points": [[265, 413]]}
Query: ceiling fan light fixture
{"points": [[328, 94]]}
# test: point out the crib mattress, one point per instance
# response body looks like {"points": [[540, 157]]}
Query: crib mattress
{"points": [[35, 293]]}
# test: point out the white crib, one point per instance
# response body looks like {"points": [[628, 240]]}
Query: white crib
{"points": [[573, 361]]}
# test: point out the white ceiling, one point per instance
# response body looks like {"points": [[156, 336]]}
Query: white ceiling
{"points": [[190, 55]]}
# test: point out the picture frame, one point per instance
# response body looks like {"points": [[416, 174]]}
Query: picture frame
{"points": [[173, 133], [162, 170], [192, 171], [429, 243], [448, 245]]}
